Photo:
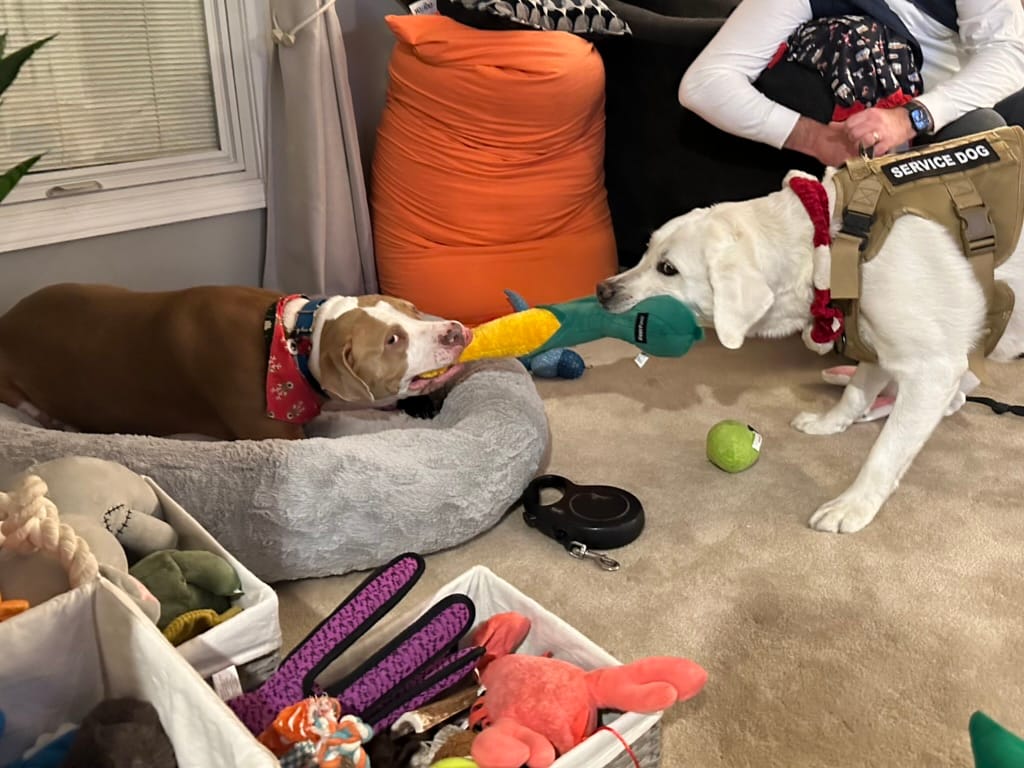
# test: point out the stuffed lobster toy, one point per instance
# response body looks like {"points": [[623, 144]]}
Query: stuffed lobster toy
{"points": [[659, 326], [536, 708]]}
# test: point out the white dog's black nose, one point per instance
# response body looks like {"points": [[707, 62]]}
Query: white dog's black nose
{"points": [[605, 291]]}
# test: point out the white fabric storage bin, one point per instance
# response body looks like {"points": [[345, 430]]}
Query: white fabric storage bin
{"points": [[65, 656], [492, 595], [243, 640]]}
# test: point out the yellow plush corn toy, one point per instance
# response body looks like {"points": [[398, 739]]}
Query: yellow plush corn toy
{"points": [[515, 335]]}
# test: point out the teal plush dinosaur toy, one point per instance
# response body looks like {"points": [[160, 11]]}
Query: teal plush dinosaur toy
{"points": [[661, 326], [994, 746]]}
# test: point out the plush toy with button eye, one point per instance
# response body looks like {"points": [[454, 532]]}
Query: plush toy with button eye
{"points": [[90, 516]]}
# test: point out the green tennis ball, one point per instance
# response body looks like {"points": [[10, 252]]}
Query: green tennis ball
{"points": [[733, 445]]}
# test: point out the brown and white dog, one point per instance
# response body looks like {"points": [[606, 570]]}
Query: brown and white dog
{"points": [[195, 361]]}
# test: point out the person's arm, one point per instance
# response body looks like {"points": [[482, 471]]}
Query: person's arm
{"points": [[718, 86], [992, 33]]}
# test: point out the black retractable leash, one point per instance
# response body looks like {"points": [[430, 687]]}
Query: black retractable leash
{"points": [[585, 518], [996, 406]]}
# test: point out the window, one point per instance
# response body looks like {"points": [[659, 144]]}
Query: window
{"points": [[148, 112]]}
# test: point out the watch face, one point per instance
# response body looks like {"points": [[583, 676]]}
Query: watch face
{"points": [[920, 119]]}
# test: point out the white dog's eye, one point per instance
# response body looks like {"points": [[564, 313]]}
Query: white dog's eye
{"points": [[666, 268]]}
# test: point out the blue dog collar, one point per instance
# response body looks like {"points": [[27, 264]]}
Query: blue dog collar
{"points": [[304, 330]]}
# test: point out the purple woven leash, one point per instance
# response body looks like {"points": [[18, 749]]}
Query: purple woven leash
{"points": [[290, 683], [461, 665], [393, 667]]}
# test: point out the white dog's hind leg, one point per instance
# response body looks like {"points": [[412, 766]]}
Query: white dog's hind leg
{"points": [[866, 383], [840, 375], [921, 402]]}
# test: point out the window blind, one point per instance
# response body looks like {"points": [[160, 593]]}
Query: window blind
{"points": [[124, 80]]}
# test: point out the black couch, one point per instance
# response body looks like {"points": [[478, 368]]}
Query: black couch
{"points": [[661, 160]]}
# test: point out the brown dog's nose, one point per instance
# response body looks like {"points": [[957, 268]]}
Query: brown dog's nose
{"points": [[605, 291], [455, 336]]}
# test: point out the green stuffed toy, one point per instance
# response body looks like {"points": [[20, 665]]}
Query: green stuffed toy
{"points": [[188, 580], [994, 746], [661, 326]]}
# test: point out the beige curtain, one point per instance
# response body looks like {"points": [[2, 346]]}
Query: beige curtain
{"points": [[318, 223]]}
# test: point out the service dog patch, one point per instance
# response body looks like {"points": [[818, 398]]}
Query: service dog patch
{"points": [[940, 162]]}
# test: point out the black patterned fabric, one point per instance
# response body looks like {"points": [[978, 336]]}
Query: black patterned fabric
{"points": [[580, 17], [863, 61]]}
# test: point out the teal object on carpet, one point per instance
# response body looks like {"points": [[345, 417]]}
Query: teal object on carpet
{"points": [[994, 746]]}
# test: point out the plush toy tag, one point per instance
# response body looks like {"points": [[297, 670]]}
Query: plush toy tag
{"points": [[758, 441], [423, 7], [226, 683]]}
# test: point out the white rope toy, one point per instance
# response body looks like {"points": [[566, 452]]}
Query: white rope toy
{"points": [[30, 523]]}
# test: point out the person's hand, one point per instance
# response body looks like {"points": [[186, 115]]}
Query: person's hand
{"points": [[828, 144], [882, 129], [833, 145]]}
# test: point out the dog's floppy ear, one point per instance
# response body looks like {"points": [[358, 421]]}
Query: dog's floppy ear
{"points": [[337, 374], [340, 379], [741, 298]]}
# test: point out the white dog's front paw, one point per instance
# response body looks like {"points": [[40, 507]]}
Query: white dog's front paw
{"points": [[845, 514], [956, 403], [818, 424]]}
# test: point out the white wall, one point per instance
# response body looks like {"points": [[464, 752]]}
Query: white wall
{"points": [[219, 250], [368, 43]]}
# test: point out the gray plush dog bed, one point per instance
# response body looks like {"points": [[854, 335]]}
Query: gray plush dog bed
{"points": [[382, 484]]}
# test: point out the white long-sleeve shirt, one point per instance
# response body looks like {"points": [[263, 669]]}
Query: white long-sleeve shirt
{"points": [[978, 67]]}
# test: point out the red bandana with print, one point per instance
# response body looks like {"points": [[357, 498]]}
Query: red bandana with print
{"points": [[290, 396]]}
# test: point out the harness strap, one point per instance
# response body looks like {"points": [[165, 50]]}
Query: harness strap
{"points": [[852, 238], [976, 230], [848, 248], [979, 242]]}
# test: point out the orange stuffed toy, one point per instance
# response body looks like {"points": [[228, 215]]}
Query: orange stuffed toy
{"points": [[536, 708]]}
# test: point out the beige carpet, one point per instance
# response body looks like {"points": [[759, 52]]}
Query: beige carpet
{"points": [[869, 649]]}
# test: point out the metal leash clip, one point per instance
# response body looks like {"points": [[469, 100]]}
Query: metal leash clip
{"points": [[582, 552]]}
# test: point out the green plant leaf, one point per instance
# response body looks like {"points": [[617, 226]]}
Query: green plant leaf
{"points": [[3, 43], [9, 65], [13, 176]]}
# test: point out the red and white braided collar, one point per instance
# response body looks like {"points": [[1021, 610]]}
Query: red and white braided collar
{"points": [[826, 324]]}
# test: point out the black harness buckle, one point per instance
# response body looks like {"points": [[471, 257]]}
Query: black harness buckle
{"points": [[857, 224]]}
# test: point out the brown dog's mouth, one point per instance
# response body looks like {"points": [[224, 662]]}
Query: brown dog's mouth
{"points": [[423, 381], [441, 375]]}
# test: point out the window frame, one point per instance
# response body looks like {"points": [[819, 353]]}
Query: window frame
{"points": [[64, 205]]}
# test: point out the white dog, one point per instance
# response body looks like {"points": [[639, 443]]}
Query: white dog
{"points": [[746, 269]]}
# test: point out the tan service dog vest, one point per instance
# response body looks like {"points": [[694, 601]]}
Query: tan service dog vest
{"points": [[973, 186]]}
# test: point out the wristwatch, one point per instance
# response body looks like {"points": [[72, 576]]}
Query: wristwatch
{"points": [[920, 118]]}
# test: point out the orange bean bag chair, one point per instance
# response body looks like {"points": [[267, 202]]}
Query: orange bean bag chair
{"points": [[488, 172]]}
